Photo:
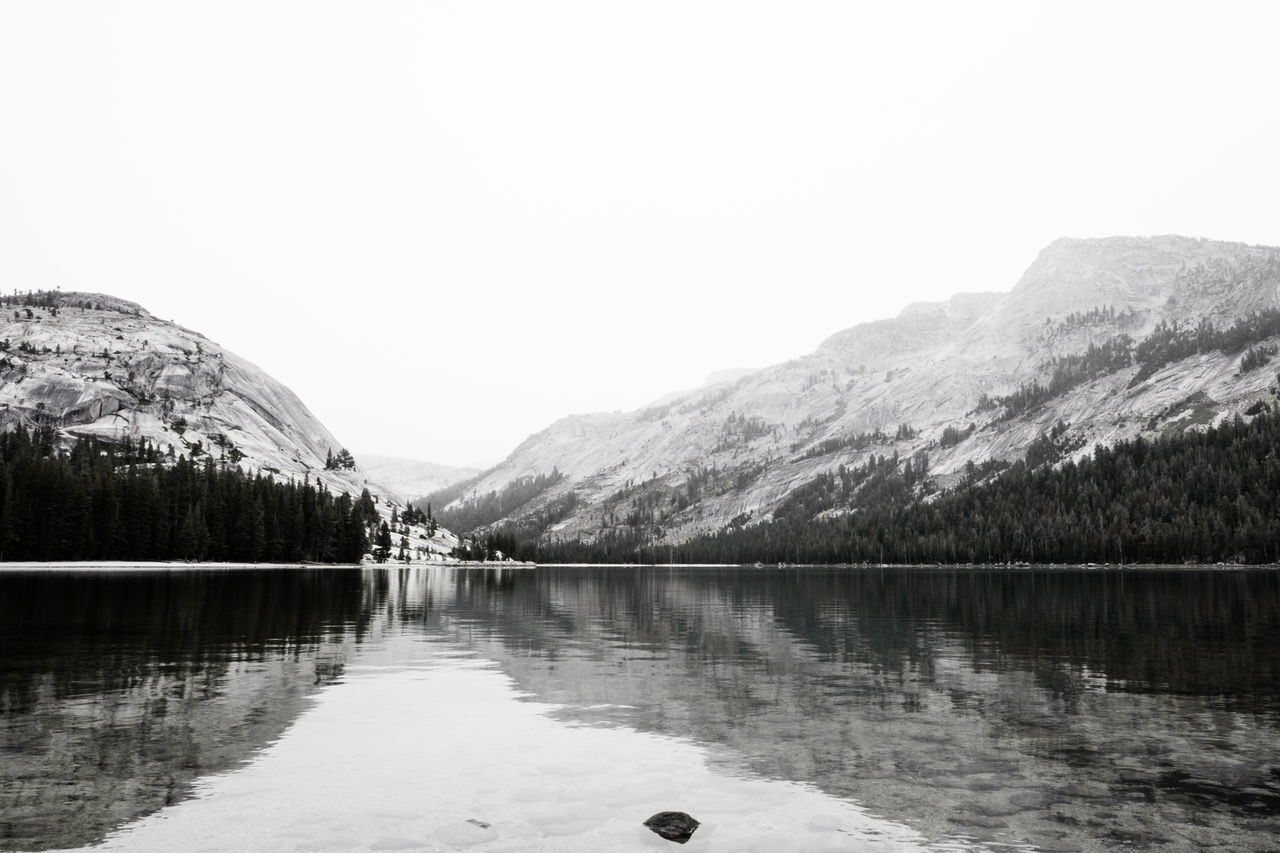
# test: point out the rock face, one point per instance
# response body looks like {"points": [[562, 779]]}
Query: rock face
{"points": [[88, 364], [731, 452], [673, 826]]}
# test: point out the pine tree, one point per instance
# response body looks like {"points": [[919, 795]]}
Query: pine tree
{"points": [[357, 539], [257, 544], [382, 544], [367, 511]]}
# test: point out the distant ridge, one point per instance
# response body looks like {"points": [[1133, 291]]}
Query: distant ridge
{"points": [[412, 478]]}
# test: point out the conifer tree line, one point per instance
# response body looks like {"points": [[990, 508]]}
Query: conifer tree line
{"points": [[1203, 497], [485, 509], [102, 501]]}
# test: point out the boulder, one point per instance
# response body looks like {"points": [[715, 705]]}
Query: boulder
{"points": [[673, 826]]}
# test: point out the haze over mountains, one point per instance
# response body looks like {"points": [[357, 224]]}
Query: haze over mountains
{"points": [[412, 478], [1096, 343]]}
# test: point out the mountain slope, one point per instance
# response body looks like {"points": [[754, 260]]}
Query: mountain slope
{"points": [[92, 366], [89, 364], [1095, 344]]}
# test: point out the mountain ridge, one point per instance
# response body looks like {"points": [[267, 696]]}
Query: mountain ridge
{"points": [[941, 379]]}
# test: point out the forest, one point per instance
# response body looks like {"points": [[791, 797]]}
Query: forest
{"points": [[1199, 496], [487, 508], [100, 501]]}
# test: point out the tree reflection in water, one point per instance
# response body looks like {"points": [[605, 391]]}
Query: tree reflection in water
{"points": [[1073, 710], [1063, 707], [119, 688]]}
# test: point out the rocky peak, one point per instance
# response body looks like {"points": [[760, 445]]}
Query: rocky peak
{"points": [[1142, 275]]}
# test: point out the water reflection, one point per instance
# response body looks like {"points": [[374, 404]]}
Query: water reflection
{"points": [[117, 689], [1065, 710], [1074, 710]]}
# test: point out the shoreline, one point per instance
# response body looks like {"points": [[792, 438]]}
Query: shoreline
{"points": [[182, 565], [1011, 567], [160, 565]]}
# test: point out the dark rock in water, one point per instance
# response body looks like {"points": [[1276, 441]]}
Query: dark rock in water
{"points": [[673, 826]]}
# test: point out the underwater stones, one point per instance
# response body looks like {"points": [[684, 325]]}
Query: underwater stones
{"points": [[673, 826], [1087, 791], [1057, 845], [994, 809], [467, 833], [1031, 800], [978, 821]]}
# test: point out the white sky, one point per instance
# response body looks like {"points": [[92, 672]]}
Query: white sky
{"points": [[446, 225]]}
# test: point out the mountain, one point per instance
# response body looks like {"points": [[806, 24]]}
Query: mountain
{"points": [[1100, 341], [89, 365], [412, 478]]}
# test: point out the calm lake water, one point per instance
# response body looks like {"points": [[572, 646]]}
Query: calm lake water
{"points": [[555, 709]]}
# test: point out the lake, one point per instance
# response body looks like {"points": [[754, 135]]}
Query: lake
{"points": [[805, 709]]}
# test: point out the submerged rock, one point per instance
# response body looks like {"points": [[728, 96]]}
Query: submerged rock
{"points": [[673, 826], [469, 833]]}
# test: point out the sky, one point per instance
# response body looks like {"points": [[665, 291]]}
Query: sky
{"points": [[446, 225]]}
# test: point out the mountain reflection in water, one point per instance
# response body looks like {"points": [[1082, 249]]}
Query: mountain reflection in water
{"points": [[1073, 709], [118, 688], [1065, 709]]}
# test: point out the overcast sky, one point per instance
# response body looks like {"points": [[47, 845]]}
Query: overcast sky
{"points": [[446, 225]]}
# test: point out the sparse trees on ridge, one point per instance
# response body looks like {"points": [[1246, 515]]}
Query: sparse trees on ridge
{"points": [[343, 461]]}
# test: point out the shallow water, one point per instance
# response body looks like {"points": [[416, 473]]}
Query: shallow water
{"points": [[787, 709]]}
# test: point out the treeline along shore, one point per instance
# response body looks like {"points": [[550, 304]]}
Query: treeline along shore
{"points": [[1195, 497], [125, 501]]}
